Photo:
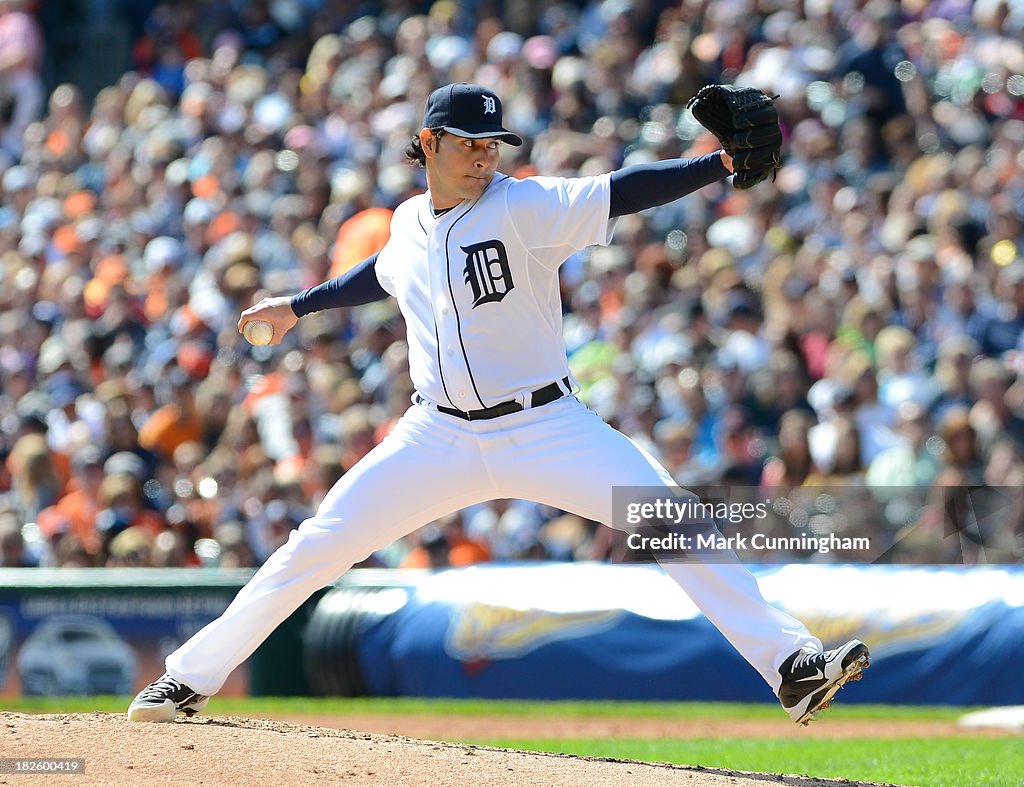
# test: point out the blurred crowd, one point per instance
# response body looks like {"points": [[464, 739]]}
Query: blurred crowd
{"points": [[855, 324]]}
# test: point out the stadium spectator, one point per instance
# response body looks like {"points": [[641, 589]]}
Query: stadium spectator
{"points": [[991, 415], [912, 464], [843, 467], [961, 462], [34, 478], [793, 464], [12, 544], [445, 543], [21, 89]]}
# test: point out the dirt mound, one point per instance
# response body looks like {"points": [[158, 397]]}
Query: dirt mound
{"points": [[229, 750]]}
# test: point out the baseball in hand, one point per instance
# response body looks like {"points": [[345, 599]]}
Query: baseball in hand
{"points": [[258, 332]]}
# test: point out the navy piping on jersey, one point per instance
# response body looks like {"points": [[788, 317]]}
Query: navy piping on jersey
{"points": [[455, 307], [448, 271], [440, 367], [437, 337]]}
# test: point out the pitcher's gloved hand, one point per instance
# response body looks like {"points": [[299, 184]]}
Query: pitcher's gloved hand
{"points": [[745, 121]]}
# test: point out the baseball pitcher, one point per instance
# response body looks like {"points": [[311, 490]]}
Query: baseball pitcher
{"points": [[474, 266]]}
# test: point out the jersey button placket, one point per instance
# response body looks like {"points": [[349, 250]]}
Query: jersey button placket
{"points": [[447, 326]]}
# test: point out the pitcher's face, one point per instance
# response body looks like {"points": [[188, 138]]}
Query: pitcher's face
{"points": [[459, 168]]}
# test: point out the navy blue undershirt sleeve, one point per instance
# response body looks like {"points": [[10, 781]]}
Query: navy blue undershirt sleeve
{"points": [[644, 186], [355, 287]]}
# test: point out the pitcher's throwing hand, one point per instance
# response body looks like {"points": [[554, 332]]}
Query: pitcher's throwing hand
{"points": [[275, 311]]}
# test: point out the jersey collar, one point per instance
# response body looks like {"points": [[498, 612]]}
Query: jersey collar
{"points": [[451, 211]]}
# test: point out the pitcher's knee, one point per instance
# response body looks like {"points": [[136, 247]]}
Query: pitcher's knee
{"points": [[334, 538]]}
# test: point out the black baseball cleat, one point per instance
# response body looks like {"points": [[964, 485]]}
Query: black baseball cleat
{"points": [[810, 680], [162, 699]]}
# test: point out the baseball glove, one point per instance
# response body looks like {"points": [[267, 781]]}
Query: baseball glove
{"points": [[747, 124]]}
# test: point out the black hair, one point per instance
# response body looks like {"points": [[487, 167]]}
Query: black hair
{"points": [[414, 152]]}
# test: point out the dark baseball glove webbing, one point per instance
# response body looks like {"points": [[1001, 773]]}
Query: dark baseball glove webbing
{"points": [[745, 121]]}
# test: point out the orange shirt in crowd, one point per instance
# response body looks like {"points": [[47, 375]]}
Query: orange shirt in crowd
{"points": [[168, 428], [80, 507], [361, 236], [465, 552]]}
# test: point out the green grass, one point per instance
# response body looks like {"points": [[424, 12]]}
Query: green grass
{"points": [[255, 706], [933, 762]]}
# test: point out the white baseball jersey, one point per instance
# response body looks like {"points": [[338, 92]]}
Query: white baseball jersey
{"points": [[478, 285]]}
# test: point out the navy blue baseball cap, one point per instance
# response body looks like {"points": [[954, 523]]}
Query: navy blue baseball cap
{"points": [[469, 111]]}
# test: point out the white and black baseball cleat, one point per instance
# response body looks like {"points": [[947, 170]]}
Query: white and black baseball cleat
{"points": [[163, 699], [810, 680]]}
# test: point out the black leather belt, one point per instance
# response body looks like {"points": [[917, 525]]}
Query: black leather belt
{"points": [[538, 398]]}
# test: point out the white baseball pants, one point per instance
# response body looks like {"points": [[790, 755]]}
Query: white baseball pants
{"points": [[432, 464]]}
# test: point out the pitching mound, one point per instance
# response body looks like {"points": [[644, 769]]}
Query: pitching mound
{"points": [[229, 750]]}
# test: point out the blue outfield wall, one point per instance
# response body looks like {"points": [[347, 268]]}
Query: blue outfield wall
{"points": [[938, 635], [942, 635]]}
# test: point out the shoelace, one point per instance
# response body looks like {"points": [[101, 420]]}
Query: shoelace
{"points": [[804, 659], [161, 687]]}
